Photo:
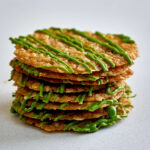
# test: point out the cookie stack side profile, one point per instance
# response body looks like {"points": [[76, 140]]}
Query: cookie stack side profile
{"points": [[72, 80]]}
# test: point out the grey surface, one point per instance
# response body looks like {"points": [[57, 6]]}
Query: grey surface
{"points": [[132, 17]]}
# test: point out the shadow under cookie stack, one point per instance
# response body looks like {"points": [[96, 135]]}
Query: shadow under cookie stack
{"points": [[70, 80]]}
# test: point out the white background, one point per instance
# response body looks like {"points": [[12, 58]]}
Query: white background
{"points": [[132, 17]]}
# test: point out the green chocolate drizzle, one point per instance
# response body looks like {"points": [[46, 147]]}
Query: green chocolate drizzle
{"points": [[89, 77], [25, 67], [128, 105], [90, 90], [62, 88], [107, 79], [55, 97], [120, 50], [128, 92], [111, 110], [25, 100], [63, 105], [109, 92], [12, 74], [23, 105], [41, 89], [92, 78], [59, 117], [40, 106], [77, 98], [97, 105], [110, 74], [99, 81], [80, 98], [82, 83], [15, 105], [133, 96], [21, 83], [45, 116], [37, 115], [70, 125], [33, 105], [47, 97], [125, 38]]}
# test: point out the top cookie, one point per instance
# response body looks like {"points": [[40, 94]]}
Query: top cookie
{"points": [[73, 51]]}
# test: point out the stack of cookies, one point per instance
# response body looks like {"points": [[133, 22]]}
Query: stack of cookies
{"points": [[70, 80]]}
